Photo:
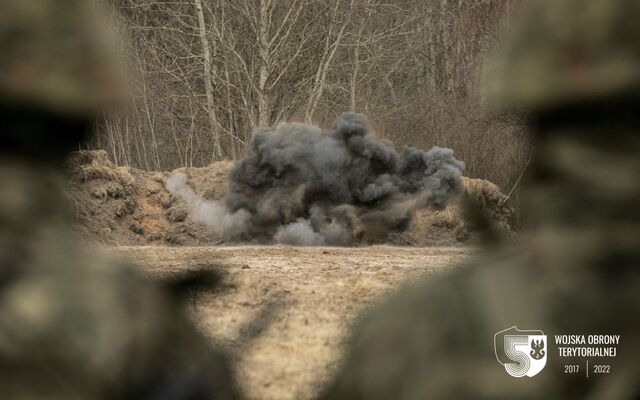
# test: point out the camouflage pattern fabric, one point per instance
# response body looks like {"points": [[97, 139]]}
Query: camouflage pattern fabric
{"points": [[578, 273], [74, 325], [568, 51], [57, 55]]}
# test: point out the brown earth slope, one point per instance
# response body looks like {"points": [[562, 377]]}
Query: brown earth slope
{"points": [[127, 206]]}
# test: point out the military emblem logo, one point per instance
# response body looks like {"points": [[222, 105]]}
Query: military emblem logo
{"points": [[522, 353]]}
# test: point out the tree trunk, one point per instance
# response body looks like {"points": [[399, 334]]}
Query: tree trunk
{"points": [[206, 55], [264, 117]]}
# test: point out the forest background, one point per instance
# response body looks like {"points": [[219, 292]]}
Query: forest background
{"points": [[205, 73]]}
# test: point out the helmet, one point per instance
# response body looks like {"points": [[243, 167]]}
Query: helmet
{"points": [[564, 52], [55, 56]]}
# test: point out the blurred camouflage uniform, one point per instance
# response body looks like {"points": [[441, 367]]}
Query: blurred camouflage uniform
{"points": [[573, 68], [74, 325]]}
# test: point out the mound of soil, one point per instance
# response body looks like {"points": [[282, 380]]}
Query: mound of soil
{"points": [[128, 206], [448, 227]]}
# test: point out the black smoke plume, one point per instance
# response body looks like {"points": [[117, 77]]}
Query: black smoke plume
{"points": [[341, 187]]}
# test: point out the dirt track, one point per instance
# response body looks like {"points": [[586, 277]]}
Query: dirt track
{"points": [[320, 290]]}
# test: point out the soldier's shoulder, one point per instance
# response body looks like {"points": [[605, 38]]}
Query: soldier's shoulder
{"points": [[88, 312]]}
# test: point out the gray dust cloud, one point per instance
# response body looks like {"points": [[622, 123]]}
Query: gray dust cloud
{"points": [[345, 186]]}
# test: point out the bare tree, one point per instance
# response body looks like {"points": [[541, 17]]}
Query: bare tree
{"points": [[206, 61], [206, 73]]}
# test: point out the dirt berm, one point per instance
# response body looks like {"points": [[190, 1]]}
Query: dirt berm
{"points": [[128, 206]]}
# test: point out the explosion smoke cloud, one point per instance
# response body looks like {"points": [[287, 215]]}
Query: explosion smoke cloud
{"points": [[225, 224], [307, 187]]}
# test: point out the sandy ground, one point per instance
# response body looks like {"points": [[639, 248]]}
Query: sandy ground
{"points": [[312, 294]]}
